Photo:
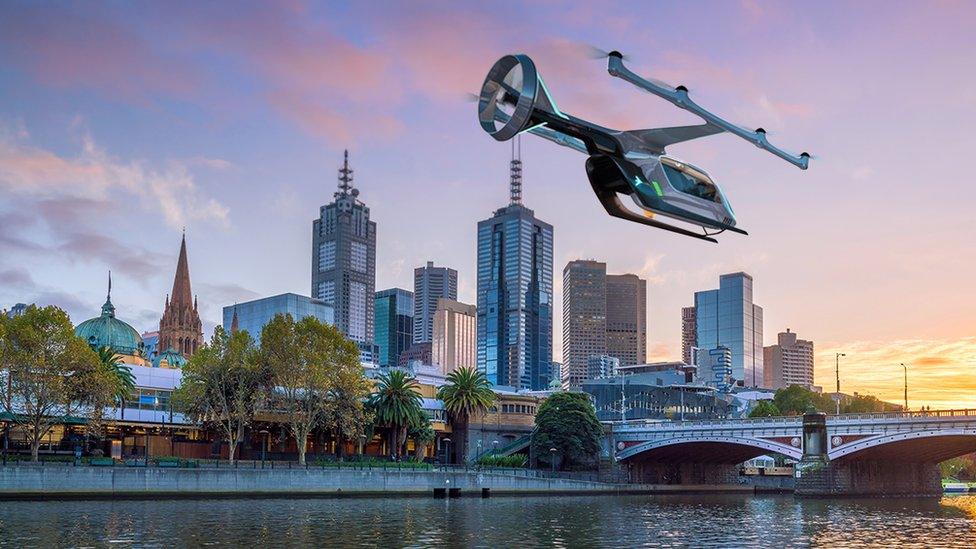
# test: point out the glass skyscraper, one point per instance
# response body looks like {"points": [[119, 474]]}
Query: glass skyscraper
{"points": [[728, 317], [515, 297], [253, 315], [393, 324], [430, 283], [344, 261]]}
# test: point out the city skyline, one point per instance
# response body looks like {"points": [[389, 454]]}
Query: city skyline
{"points": [[136, 128]]}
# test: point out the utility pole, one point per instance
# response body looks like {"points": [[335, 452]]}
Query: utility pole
{"points": [[837, 371]]}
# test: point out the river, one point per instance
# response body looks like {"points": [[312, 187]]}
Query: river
{"points": [[595, 521]]}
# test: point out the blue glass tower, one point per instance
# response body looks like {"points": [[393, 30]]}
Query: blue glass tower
{"points": [[515, 295], [393, 324], [728, 317]]}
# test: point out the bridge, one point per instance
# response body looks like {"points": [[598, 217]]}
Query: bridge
{"points": [[872, 453]]}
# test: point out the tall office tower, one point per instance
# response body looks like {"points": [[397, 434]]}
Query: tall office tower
{"points": [[515, 294], [584, 318], [393, 324], [728, 317], [627, 319], [689, 334], [789, 362], [715, 367], [344, 261], [180, 328], [455, 335], [252, 316], [430, 283]]}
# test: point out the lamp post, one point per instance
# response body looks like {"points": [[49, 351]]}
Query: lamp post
{"points": [[447, 450], [906, 385], [494, 447], [362, 445], [264, 445], [552, 460], [837, 371]]}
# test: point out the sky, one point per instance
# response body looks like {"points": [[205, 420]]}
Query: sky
{"points": [[121, 123]]}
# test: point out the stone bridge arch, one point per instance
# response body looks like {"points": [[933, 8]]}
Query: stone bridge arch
{"points": [[726, 449], [927, 446]]}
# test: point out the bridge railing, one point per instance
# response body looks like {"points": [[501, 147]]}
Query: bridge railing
{"points": [[650, 424]]}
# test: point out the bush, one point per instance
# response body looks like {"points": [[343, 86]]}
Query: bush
{"points": [[515, 461]]}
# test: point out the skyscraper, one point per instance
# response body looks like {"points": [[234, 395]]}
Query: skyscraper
{"points": [[515, 294], [344, 260], [180, 328], [430, 283], [251, 316], [627, 318], [689, 334], [455, 335], [393, 324], [728, 317], [789, 362], [584, 318]]}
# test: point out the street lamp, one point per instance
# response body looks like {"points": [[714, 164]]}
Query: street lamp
{"points": [[494, 446], [264, 447], [552, 459], [906, 385], [837, 371], [447, 449], [362, 445]]}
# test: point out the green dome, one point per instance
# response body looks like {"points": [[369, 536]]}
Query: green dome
{"points": [[106, 330], [172, 357]]}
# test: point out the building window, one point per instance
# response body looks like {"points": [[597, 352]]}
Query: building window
{"points": [[327, 256], [327, 292], [357, 259], [357, 311]]}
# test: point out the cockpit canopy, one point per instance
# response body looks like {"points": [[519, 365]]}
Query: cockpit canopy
{"points": [[690, 180]]}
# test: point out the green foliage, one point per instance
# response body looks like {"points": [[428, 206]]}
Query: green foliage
{"points": [[516, 461], [863, 404], [765, 408], [316, 377], [961, 468], [795, 400], [422, 433], [398, 405], [122, 380], [49, 372], [568, 423], [370, 462], [222, 385], [466, 393]]}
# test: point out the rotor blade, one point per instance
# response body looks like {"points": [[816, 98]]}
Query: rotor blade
{"points": [[679, 98]]}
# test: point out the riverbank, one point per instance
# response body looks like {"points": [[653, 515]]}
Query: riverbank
{"points": [[39, 482]]}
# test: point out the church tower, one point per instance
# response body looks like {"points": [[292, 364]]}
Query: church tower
{"points": [[180, 328]]}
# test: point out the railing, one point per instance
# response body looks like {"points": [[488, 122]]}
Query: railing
{"points": [[645, 424]]}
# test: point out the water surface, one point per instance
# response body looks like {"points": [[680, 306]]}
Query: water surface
{"points": [[595, 521]]}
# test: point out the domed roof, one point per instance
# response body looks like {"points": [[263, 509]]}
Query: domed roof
{"points": [[106, 330], [172, 357]]}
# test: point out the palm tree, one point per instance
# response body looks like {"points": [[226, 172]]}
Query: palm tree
{"points": [[467, 391], [397, 402], [121, 375]]}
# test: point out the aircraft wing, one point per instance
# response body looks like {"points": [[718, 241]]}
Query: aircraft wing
{"points": [[662, 137]]}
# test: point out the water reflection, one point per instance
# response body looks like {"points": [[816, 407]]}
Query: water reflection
{"points": [[632, 521]]}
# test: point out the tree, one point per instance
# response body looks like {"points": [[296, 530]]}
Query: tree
{"points": [[568, 423], [350, 418], [765, 408], [796, 400], [862, 404], [119, 383], [398, 404], [51, 374], [467, 392], [222, 385], [422, 434], [315, 372]]}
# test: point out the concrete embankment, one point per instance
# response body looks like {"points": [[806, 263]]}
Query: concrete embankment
{"points": [[35, 482]]}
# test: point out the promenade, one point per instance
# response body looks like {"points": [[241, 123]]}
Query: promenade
{"points": [[67, 482]]}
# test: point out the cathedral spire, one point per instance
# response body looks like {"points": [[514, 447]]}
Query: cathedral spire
{"points": [[181, 284]]}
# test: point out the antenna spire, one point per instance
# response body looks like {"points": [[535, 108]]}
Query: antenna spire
{"points": [[108, 297], [345, 175], [515, 183]]}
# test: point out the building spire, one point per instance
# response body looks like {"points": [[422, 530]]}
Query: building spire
{"points": [[515, 183], [182, 295], [345, 175], [108, 309]]}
